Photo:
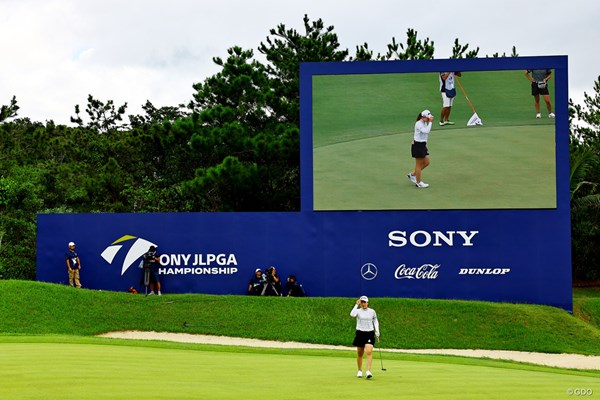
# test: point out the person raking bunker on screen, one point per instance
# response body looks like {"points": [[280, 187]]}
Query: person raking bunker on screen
{"points": [[367, 329], [419, 149]]}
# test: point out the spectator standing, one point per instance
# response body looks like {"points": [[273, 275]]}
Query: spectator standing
{"points": [[73, 265]]}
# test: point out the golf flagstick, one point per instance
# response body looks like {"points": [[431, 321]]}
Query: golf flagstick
{"points": [[474, 120]]}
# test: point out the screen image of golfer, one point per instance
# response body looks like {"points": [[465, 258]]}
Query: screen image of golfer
{"points": [[362, 129]]}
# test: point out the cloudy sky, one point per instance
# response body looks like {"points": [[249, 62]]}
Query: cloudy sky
{"points": [[56, 52]]}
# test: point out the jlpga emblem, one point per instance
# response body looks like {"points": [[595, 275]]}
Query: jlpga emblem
{"points": [[368, 271], [137, 249]]}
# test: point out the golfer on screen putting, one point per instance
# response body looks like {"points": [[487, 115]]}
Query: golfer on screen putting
{"points": [[367, 328], [419, 149]]}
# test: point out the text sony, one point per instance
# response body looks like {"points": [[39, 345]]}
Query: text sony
{"points": [[435, 238]]}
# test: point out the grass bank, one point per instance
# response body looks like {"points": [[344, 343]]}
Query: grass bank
{"points": [[586, 305], [34, 308]]}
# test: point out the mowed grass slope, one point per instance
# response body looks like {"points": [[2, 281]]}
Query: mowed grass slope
{"points": [[363, 127], [34, 308], [586, 305]]}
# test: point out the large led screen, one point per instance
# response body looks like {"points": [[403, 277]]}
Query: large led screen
{"points": [[495, 155]]}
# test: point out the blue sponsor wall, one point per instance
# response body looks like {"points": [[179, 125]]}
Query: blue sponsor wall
{"points": [[520, 255], [492, 255]]}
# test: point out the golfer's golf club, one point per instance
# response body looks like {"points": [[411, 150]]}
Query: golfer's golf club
{"points": [[381, 357]]}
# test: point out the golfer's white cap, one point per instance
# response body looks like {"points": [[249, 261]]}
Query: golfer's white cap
{"points": [[71, 244], [426, 113], [364, 298], [257, 269]]}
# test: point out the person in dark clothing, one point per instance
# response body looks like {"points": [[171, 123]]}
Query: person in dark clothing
{"points": [[294, 288], [257, 283], [539, 86], [151, 261], [73, 265], [272, 286]]}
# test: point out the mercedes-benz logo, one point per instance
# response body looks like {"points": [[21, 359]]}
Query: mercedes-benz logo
{"points": [[368, 271]]}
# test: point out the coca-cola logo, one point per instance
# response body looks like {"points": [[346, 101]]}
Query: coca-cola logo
{"points": [[425, 271]]}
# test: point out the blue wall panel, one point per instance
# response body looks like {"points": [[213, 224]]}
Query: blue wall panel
{"points": [[513, 256]]}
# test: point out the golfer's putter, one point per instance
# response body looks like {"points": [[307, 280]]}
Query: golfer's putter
{"points": [[381, 359]]}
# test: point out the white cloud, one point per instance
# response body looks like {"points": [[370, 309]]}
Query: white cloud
{"points": [[59, 51]]}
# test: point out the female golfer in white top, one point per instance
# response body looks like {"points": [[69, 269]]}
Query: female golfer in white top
{"points": [[419, 147], [367, 328]]}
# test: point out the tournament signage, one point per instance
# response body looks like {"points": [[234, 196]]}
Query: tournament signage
{"points": [[339, 254], [354, 238]]}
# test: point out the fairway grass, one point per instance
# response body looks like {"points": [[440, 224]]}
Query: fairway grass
{"points": [[63, 368]]}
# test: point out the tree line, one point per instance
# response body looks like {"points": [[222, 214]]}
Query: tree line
{"points": [[233, 147]]}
